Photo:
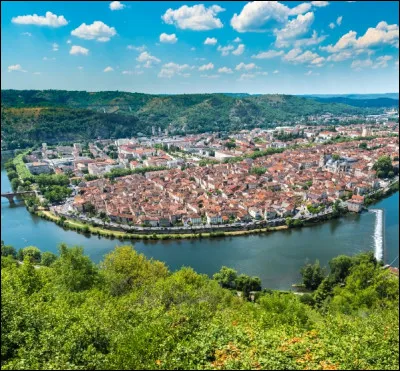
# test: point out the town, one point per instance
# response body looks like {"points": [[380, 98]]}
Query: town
{"points": [[286, 174]]}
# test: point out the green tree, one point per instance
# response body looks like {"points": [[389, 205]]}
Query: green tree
{"points": [[48, 258], [32, 252], [312, 275], [383, 166], [226, 277], [8, 250], [74, 271]]}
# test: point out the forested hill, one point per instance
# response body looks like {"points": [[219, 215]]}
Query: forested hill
{"points": [[374, 102], [32, 116]]}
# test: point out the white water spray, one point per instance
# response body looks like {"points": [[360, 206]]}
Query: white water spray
{"points": [[378, 234]]}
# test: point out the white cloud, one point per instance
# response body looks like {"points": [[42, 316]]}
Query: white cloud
{"points": [[246, 67], [147, 59], [50, 20], [193, 49], [359, 64], [49, 59], [69, 42], [294, 28], [332, 25], [168, 39], [296, 56], [381, 62], [237, 40], [210, 41], [128, 72], [170, 69], [141, 48], [55, 47], [246, 76], [383, 33], [239, 50], [26, 34], [339, 20], [309, 73], [268, 54], [276, 71], [37, 73], [320, 4], [206, 67], [76, 50], [80, 68], [196, 17], [116, 5], [210, 76], [300, 9], [313, 40], [256, 15], [225, 70], [16, 67], [225, 49], [108, 69], [341, 56], [97, 30]]}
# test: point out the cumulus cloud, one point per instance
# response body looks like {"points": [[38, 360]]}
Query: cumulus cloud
{"points": [[237, 40], [206, 67], [381, 62], [320, 4], [259, 16], [141, 48], [313, 40], [168, 70], [50, 20], [210, 76], [116, 5], [147, 59], [276, 71], [383, 33], [80, 68], [332, 25], [268, 54], [293, 29], [129, 72], [69, 42], [246, 67], [239, 50], [76, 50], [196, 17], [300, 9], [49, 59], [55, 47], [168, 39], [15, 67], [339, 20], [96, 31], [246, 76], [225, 70], [297, 56], [108, 69], [358, 64], [225, 49], [210, 41]]}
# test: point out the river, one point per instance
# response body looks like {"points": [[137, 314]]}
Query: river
{"points": [[275, 257]]}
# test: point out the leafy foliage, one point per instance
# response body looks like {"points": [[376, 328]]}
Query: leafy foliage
{"points": [[132, 313]]}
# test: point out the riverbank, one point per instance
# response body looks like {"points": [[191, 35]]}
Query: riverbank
{"points": [[72, 224]]}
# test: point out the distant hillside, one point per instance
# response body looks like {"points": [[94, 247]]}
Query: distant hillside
{"points": [[355, 96], [33, 116], [358, 102]]}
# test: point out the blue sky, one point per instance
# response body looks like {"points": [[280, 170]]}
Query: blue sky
{"points": [[316, 47]]}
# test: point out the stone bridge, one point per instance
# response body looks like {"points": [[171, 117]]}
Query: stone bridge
{"points": [[10, 195]]}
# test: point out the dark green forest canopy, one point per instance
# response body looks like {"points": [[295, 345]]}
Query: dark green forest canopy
{"points": [[31, 117], [129, 312]]}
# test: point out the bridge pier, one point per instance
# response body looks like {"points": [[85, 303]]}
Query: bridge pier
{"points": [[10, 198]]}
